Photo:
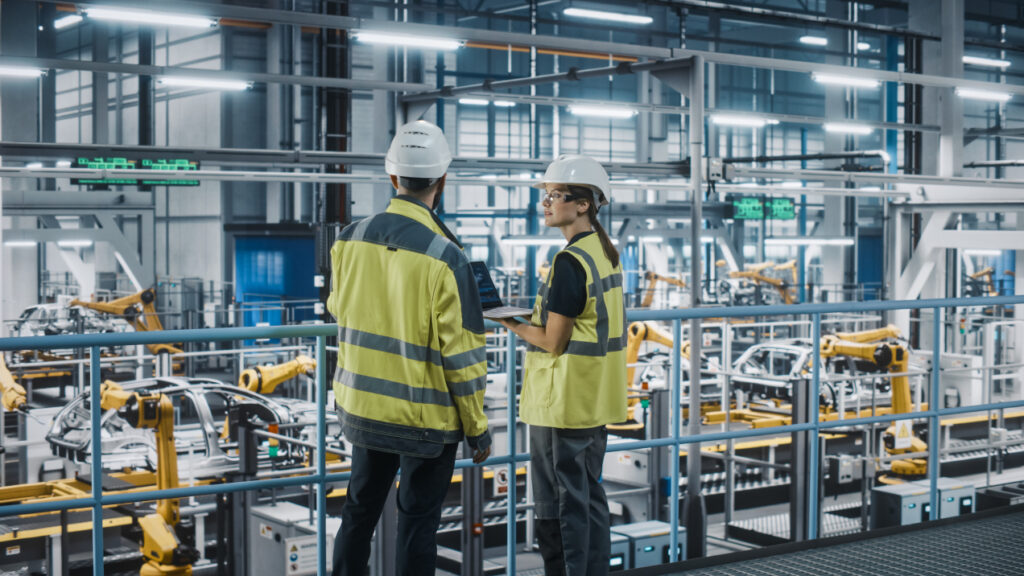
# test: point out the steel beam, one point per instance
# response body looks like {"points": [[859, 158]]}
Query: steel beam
{"points": [[680, 110], [552, 42], [152, 71], [981, 239]]}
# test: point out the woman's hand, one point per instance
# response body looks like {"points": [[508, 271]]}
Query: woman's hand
{"points": [[508, 323]]}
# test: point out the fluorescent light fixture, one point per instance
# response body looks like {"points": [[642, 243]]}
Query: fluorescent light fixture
{"points": [[504, 103], [749, 185], [211, 83], [526, 175], [21, 72], [608, 16], [871, 189], [862, 46], [63, 164], [602, 111], [146, 17], [21, 243], [741, 120], [807, 241], [474, 102], [847, 128], [652, 239], [70, 20], [490, 177], [34, 165], [814, 40], [433, 43], [982, 252], [976, 94], [74, 243], [854, 81], [791, 184], [533, 241], [991, 62]]}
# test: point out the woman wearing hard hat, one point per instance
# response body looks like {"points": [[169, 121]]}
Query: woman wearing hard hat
{"points": [[574, 380]]}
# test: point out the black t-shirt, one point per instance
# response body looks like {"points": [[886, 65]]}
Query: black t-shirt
{"points": [[567, 294]]}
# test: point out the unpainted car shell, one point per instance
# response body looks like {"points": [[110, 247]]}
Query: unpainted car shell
{"points": [[200, 453]]}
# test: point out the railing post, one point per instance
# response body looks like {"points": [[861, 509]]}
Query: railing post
{"points": [[321, 456], [814, 408], [96, 450], [512, 429], [675, 412], [933, 421]]}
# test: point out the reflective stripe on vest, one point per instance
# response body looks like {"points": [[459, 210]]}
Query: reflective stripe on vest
{"points": [[585, 386]]}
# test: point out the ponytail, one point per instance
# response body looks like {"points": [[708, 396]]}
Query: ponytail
{"points": [[584, 193], [606, 242]]}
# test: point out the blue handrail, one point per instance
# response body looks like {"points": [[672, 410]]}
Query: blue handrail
{"points": [[321, 477]]}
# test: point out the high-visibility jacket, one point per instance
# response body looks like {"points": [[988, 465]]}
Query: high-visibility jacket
{"points": [[412, 369], [585, 386]]}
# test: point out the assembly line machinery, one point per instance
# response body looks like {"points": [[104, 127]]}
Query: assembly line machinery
{"points": [[735, 476]]}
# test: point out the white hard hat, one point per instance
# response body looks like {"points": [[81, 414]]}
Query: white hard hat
{"points": [[577, 170], [419, 150]]}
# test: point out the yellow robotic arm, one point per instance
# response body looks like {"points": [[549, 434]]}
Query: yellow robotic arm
{"points": [[638, 333], [265, 379], [754, 273], [140, 310], [164, 553], [890, 331], [986, 274], [13, 393], [652, 281], [791, 266], [894, 358]]}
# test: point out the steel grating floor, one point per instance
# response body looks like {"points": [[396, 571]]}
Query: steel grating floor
{"points": [[982, 546]]}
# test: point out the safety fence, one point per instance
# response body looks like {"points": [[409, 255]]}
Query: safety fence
{"points": [[321, 477]]}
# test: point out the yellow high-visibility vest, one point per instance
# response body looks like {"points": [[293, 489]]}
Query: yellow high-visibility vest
{"points": [[585, 386], [412, 368]]}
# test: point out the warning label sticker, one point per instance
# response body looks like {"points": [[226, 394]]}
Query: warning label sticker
{"points": [[903, 436], [300, 555]]}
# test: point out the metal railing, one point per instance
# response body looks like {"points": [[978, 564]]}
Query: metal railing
{"points": [[321, 477]]}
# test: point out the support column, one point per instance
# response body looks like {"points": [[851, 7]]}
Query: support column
{"points": [[833, 273], [274, 119], [19, 114], [101, 86], [942, 154]]}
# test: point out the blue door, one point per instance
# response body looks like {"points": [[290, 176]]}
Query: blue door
{"points": [[271, 274]]}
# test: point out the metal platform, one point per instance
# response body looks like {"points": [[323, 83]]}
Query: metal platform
{"points": [[774, 528], [982, 544]]}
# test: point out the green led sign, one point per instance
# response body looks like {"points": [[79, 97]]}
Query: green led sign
{"points": [[779, 209], [747, 209], [752, 208], [179, 164]]}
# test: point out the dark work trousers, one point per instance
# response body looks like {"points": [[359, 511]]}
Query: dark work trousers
{"points": [[421, 490], [570, 504]]}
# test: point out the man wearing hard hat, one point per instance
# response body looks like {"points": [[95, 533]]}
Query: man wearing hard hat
{"points": [[411, 368]]}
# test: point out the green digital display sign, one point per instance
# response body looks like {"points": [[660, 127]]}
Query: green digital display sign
{"points": [[779, 209], [752, 208], [747, 209], [174, 164]]}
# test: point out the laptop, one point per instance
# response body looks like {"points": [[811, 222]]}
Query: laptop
{"points": [[491, 302]]}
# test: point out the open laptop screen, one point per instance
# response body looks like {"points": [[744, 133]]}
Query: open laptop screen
{"points": [[489, 297]]}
